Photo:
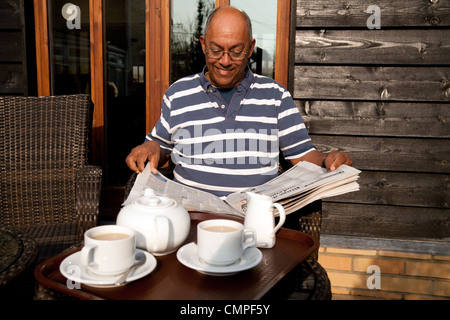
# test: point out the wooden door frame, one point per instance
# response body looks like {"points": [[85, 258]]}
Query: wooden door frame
{"points": [[283, 42], [97, 33], [42, 47], [157, 59]]}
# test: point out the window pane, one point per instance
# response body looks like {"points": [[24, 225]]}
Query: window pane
{"points": [[125, 84], [263, 14], [188, 18], [69, 43]]}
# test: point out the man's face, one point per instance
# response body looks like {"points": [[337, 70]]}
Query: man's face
{"points": [[227, 32]]}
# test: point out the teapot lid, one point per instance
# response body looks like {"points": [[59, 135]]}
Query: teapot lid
{"points": [[151, 200]]}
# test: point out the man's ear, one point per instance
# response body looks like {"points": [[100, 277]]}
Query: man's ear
{"points": [[251, 48], [202, 41]]}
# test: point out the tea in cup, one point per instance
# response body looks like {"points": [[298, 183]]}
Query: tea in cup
{"points": [[108, 250], [223, 242]]}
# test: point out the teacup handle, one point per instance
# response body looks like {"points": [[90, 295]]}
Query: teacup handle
{"points": [[87, 255], [282, 218], [252, 243], [161, 234]]}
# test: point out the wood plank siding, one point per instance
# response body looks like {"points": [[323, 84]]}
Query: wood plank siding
{"points": [[383, 96]]}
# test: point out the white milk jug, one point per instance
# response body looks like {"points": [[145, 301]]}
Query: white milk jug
{"points": [[260, 216]]}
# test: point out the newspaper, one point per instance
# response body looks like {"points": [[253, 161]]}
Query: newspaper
{"points": [[300, 185]]}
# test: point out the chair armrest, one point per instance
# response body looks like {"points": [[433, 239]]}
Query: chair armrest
{"points": [[311, 222], [88, 190], [129, 185]]}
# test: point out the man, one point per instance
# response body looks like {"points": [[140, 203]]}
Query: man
{"points": [[224, 127]]}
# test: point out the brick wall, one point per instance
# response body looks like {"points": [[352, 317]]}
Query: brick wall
{"points": [[402, 275]]}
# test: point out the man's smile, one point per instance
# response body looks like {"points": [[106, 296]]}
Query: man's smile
{"points": [[223, 72]]}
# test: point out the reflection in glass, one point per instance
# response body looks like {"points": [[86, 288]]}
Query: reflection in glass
{"points": [[188, 18], [263, 14], [125, 84], [69, 47]]}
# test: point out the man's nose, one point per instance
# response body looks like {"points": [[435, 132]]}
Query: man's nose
{"points": [[225, 59]]}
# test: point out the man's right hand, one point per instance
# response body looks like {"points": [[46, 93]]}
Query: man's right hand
{"points": [[148, 151]]}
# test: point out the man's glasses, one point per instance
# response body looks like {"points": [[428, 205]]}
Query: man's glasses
{"points": [[233, 54]]}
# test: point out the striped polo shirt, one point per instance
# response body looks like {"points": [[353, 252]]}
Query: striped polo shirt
{"points": [[223, 148]]}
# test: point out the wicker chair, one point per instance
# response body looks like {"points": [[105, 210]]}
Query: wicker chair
{"points": [[47, 189]]}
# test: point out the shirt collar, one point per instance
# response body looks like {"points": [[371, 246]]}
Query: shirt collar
{"points": [[244, 84]]}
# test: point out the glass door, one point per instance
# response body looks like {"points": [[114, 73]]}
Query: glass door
{"points": [[118, 84], [124, 108], [188, 18], [263, 14], [69, 47]]}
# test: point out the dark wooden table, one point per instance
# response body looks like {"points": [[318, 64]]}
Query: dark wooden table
{"points": [[171, 280], [17, 253]]}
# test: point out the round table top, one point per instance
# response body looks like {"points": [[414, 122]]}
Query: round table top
{"points": [[18, 252]]}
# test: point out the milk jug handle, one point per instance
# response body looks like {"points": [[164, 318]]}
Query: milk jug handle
{"points": [[282, 218]]}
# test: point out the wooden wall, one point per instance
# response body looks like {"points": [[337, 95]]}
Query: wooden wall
{"points": [[14, 68], [382, 95]]}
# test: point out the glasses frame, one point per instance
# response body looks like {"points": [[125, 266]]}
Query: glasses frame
{"points": [[243, 52]]}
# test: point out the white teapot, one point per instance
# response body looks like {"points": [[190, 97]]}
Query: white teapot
{"points": [[160, 223]]}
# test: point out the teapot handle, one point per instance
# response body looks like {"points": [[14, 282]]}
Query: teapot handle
{"points": [[282, 218], [161, 234]]}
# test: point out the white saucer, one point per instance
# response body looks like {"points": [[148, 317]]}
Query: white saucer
{"points": [[188, 256], [72, 269]]}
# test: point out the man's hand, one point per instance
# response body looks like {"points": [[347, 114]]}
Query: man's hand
{"points": [[335, 159], [148, 151], [331, 161]]}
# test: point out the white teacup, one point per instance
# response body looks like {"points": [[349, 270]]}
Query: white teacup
{"points": [[223, 242], [108, 250]]}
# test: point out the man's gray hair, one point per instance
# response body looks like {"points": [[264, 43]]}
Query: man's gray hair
{"points": [[244, 15]]}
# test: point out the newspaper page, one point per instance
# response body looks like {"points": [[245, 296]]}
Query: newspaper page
{"points": [[300, 185], [333, 189], [190, 198]]}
